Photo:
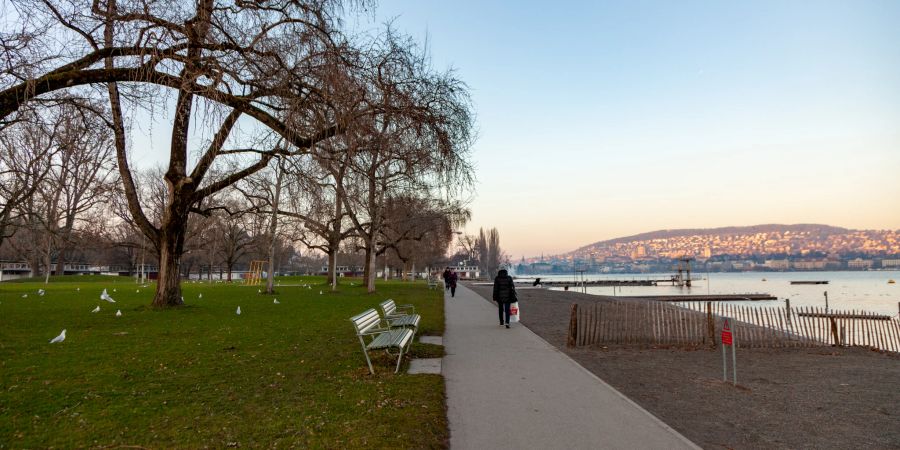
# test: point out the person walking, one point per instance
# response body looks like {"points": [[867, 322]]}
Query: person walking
{"points": [[453, 278], [446, 276], [504, 295]]}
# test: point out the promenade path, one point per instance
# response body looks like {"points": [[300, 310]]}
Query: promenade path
{"points": [[508, 388]]}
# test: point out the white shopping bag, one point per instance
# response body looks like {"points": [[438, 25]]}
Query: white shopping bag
{"points": [[514, 312]]}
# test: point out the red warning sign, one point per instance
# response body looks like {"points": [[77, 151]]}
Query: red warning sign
{"points": [[726, 334]]}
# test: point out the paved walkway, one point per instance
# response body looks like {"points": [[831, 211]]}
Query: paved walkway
{"points": [[511, 389]]}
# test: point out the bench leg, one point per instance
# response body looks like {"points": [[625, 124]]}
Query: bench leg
{"points": [[366, 352], [399, 358]]}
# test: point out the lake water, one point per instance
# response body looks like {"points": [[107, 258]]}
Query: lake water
{"points": [[868, 291]]}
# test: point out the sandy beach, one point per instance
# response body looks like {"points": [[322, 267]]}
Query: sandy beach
{"points": [[786, 398]]}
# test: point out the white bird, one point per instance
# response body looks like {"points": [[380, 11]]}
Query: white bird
{"points": [[320, 292], [200, 296], [40, 292], [60, 338], [275, 301], [24, 295], [97, 309], [118, 313], [239, 310], [114, 289], [137, 291], [78, 289], [105, 296]]}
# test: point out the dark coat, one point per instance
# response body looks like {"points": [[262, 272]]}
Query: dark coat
{"points": [[452, 279], [504, 289]]}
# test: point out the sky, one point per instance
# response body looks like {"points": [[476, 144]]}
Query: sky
{"points": [[599, 120]]}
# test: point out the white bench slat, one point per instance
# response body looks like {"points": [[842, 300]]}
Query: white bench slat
{"points": [[397, 337], [405, 321]]}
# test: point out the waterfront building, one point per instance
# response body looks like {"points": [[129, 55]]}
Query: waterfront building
{"points": [[859, 264]]}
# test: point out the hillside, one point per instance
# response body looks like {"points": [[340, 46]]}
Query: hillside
{"points": [[766, 239], [723, 231]]}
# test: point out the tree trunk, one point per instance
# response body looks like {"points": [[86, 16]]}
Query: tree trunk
{"points": [[273, 228], [370, 267], [332, 267], [61, 258], [171, 242]]}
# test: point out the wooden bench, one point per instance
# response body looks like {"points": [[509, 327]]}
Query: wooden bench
{"points": [[368, 324], [400, 316]]}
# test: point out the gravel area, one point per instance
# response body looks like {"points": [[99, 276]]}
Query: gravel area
{"points": [[786, 398]]}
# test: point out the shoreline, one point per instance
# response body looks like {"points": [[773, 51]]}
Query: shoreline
{"points": [[822, 397]]}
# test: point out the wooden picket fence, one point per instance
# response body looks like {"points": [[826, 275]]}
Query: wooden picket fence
{"points": [[696, 324]]}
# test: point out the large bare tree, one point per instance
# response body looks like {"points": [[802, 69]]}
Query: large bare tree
{"points": [[270, 62]]}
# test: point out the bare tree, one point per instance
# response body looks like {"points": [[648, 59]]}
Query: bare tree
{"points": [[419, 230], [415, 142], [26, 150], [81, 178]]}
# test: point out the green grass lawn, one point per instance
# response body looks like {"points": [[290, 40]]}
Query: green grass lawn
{"points": [[288, 374]]}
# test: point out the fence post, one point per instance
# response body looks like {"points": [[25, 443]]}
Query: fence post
{"points": [[834, 333], [573, 326]]}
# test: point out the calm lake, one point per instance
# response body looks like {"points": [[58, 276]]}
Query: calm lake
{"points": [[868, 291]]}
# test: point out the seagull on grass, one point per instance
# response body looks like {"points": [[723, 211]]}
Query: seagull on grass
{"points": [[24, 295], [320, 292], [118, 313], [60, 338], [41, 292], [97, 309], [239, 310], [276, 301], [105, 296], [200, 296], [114, 289]]}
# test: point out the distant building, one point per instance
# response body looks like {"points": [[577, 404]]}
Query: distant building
{"points": [[859, 264], [778, 264], [810, 264], [890, 263], [466, 270]]}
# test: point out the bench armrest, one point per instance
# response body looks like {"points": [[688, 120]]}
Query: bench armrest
{"points": [[373, 331], [406, 307]]}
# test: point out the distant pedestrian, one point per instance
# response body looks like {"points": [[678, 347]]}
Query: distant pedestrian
{"points": [[454, 277], [446, 276], [504, 295]]}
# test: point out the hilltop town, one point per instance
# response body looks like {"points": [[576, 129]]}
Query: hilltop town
{"points": [[761, 247]]}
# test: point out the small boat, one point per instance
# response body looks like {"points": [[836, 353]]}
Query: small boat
{"points": [[809, 282], [891, 281]]}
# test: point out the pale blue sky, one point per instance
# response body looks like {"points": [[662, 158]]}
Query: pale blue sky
{"points": [[604, 119]]}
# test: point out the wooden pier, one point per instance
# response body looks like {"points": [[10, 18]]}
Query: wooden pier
{"points": [[557, 283], [703, 298], [636, 282]]}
